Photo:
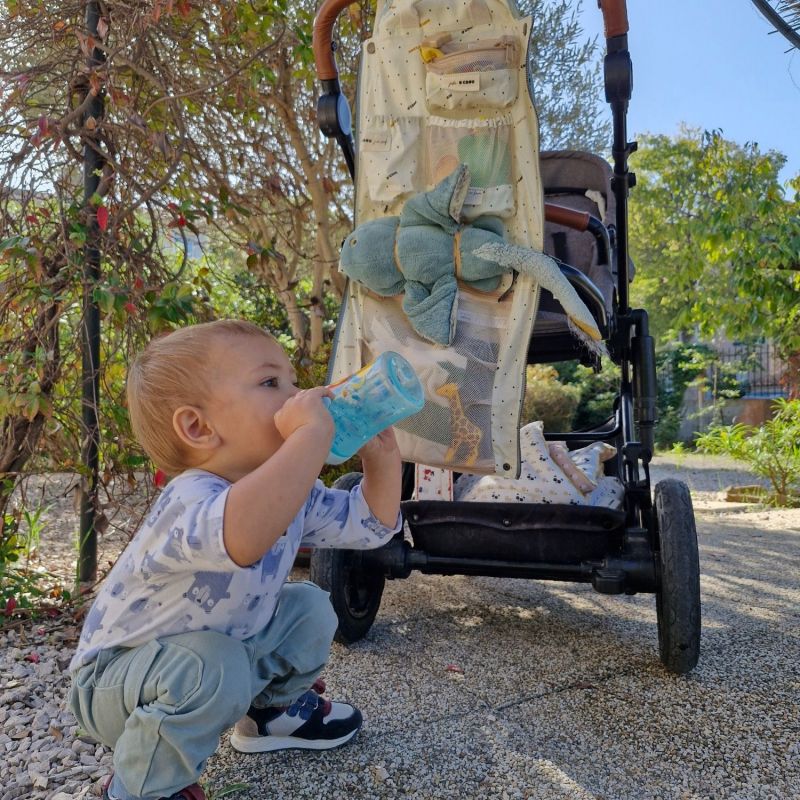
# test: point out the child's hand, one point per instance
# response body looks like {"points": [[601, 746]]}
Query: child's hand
{"points": [[380, 446], [306, 410]]}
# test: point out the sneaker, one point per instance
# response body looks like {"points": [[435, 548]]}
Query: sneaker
{"points": [[193, 792], [310, 723]]}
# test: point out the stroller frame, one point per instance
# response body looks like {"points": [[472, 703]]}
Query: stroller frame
{"points": [[649, 545]]}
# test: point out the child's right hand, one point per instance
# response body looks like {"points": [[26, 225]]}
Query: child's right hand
{"points": [[307, 411]]}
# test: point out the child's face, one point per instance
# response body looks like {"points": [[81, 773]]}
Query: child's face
{"points": [[253, 379]]}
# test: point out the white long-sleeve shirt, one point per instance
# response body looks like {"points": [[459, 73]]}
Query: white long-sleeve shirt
{"points": [[175, 575]]}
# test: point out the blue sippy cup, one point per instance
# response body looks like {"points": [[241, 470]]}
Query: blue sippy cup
{"points": [[369, 401]]}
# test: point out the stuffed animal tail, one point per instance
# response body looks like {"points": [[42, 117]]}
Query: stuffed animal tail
{"points": [[545, 271]]}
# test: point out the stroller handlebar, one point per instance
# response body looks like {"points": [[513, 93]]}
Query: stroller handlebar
{"points": [[615, 17], [615, 21], [322, 40], [569, 217]]}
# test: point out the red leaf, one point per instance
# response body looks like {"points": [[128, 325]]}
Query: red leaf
{"points": [[11, 604], [130, 308], [31, 218], [34, 657], [160, 478], [102, 217]]}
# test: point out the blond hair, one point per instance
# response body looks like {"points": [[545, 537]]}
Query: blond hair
{"points": [[172, 371]]}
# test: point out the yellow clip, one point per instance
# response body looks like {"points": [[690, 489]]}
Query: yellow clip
{"points": [[430, 53]]}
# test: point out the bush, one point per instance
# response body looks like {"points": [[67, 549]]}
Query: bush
{"points": [[679, 366], [771, 451], [597, 391], [24, 589], [549, 400]]}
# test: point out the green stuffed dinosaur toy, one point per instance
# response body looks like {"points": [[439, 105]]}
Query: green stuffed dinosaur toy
{"points": [[426, 250]]}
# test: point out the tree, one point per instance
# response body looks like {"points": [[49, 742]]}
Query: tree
{"points": [[716, 242], [166, 166], [565, 75]]}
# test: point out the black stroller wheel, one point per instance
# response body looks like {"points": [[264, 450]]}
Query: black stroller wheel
{"points": [[678, 595], [355, 590]]}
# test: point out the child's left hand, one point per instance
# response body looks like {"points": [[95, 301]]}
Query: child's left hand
{"points": [[380, 446]]}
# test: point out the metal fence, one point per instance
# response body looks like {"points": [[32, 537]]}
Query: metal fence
{"points": [[758, 368]]}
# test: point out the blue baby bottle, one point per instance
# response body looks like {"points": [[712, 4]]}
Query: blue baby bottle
{"points": [[369, 401]]}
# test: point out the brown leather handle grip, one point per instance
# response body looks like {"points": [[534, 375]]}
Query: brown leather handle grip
{"points": [[322, 38], [569, 217], [615, 17]]}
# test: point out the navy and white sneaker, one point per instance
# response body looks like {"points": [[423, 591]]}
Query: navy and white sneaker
{"points": [[310, 723]]}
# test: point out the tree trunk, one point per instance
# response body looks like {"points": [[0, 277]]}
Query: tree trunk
{"points": [[20, 434], [297, 320], [320, 202]]}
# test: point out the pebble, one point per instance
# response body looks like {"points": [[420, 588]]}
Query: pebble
{"points": [[43, 757]]}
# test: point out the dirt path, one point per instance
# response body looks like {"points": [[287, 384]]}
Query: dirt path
{"points": [[494, 688]]}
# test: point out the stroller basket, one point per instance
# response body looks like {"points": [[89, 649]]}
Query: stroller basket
{"points": [[515, 532]]}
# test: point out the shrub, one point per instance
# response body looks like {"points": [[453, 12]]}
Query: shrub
{"points": [[771, 451], [549, 400], [24, 589], [597, 391], [681, 365]]}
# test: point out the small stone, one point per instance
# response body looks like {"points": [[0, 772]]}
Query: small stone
{"points": [[40, 781]]}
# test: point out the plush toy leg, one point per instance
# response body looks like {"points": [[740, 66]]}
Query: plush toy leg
{"points": [[544, 270], [432, 309]]}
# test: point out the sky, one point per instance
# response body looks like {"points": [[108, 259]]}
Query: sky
{"points": [[710, 64]]}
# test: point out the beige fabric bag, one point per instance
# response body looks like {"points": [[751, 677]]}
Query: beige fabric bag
{"points": [[409, 129]]}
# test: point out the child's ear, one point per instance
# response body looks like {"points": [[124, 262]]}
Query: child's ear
{"points": [[193, 428]]}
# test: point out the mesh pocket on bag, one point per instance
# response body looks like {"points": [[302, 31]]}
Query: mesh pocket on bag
{"points": [[455, 427], [474, 76], [485, 146]]}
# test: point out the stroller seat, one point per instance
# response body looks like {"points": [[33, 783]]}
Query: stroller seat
{"points": [[582, 182]]}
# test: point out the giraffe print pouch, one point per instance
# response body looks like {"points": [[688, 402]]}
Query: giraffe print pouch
{"points": [[469, 420]]}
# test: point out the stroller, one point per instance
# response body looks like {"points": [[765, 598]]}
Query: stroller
{"points": [[445, 83]]}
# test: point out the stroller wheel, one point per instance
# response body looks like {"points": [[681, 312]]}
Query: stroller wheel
{"points": [[678, 594], [355, 590]]}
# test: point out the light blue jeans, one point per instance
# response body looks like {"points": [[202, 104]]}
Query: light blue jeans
{"points": [[163, 706]]}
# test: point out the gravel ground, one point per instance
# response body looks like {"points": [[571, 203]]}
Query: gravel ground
{"points": [[495, 688]]}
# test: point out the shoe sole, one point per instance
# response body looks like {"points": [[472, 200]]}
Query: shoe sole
{"points": [[268, 744]]}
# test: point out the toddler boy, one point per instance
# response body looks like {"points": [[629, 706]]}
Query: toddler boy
{"points": [[195, 627]]}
